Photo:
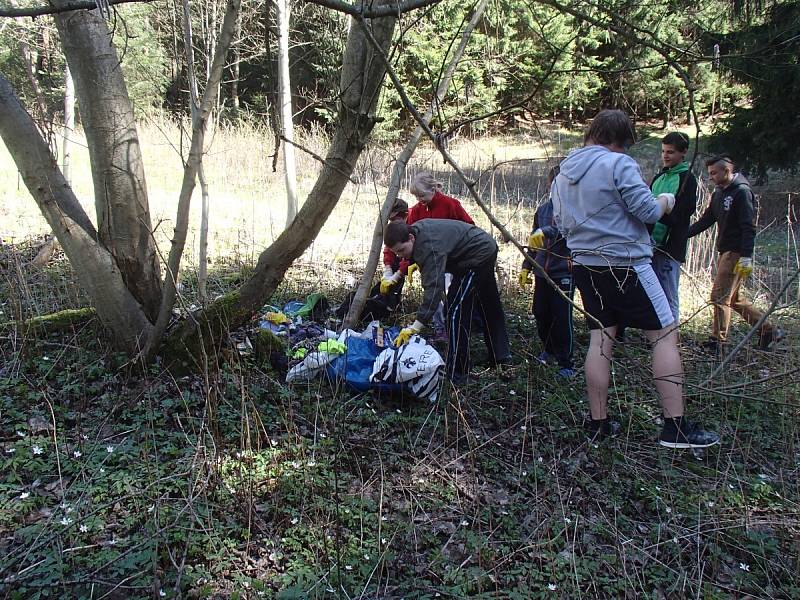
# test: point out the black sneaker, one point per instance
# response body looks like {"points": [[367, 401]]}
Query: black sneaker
{"points": [[600, 429], [771, 337], [686, 434]]}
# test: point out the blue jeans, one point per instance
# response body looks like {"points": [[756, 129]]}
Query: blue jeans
{"points": [[668, 271]]}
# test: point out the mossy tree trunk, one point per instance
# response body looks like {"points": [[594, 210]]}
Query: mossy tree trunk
{"points": [[94, 265], [360, 85]]}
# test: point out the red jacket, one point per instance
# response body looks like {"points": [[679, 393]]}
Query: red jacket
{"points": [[440, 207]]}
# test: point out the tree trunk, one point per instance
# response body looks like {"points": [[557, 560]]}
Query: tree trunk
{"points": [[94, 266], [364, 285], [190, 171], [123, 215], [69, 126], [282, 9], [360, 84], [202, 258], [237, 57]]}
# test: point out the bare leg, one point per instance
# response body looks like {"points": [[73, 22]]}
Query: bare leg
{"points": [[598, 370], [667, 370]]}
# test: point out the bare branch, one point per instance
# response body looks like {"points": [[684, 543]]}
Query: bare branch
{"points": [[38, 11], [393, 10]]}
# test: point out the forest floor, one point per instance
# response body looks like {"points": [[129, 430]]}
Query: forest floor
{"points": [[230, 484]]}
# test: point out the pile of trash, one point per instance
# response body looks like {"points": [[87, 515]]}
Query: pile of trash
{"points": [[362, 360]]}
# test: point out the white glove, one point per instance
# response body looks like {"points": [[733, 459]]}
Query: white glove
{"points": [[668, 201], [387, 272]]}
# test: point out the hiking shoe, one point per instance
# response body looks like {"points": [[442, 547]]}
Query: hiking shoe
{"points": [[685, 434], [566, 373], [600, 429], [544, 358], [771, 337]]}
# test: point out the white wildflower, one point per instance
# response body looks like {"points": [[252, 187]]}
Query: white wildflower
{"points": [[552, 587], [348, 567], [295, 464], [66, 521], [24, 495], [312, 463], [10, 450], [162, 593], [20, 434], [37, 449], [295, 521], [744, 567], [668, 509], [464, 523], [77, 454], [83, 528], [109, 449]]}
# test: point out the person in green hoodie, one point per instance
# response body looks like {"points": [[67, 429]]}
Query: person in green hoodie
{"points": [[670, 233]]}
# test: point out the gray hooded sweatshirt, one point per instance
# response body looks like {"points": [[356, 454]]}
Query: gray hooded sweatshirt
{"points": [[601, 205]]}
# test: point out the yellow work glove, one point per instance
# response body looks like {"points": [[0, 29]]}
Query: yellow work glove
{"points": [[524, 277], [744, 267], [412, 268], [406, 333], [387, 285], [536, 240]]}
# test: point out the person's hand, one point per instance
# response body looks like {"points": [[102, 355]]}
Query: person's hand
{"points": [[668, 201], [412, 268], [524, 277], [744, 267], [406, 333], [536, 240]]}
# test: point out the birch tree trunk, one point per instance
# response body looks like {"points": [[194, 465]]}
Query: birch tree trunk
{"points": [[400, 164], [120, 190], [283, 8]]}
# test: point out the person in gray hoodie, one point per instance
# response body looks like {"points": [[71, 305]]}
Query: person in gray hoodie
{"points": [[602, 206], [440, 246]]}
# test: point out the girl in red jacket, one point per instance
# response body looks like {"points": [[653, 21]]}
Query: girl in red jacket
{"points": [[432, 204]]}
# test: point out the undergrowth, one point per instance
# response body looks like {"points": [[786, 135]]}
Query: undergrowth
{"points": [[118, 483]]}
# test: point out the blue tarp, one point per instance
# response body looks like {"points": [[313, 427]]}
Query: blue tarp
{"points": [[355, 366]]}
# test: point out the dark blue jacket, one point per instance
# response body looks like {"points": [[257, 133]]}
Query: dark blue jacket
{"points": [[554, 257]]}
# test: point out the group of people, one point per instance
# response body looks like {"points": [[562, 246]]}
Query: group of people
{"points": [[604, 231]]}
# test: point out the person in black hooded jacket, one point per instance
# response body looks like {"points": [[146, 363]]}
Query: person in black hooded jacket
{"points": [[732, 209], [552, 311]]}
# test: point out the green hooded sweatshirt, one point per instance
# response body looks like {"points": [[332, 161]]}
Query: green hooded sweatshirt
{"points": [[667, 183]]}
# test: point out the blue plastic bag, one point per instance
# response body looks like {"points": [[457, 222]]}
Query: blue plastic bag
{"points": [[355, 366]]}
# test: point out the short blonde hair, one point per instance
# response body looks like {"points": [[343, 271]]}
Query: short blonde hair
{"points": [[424, 183]]}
